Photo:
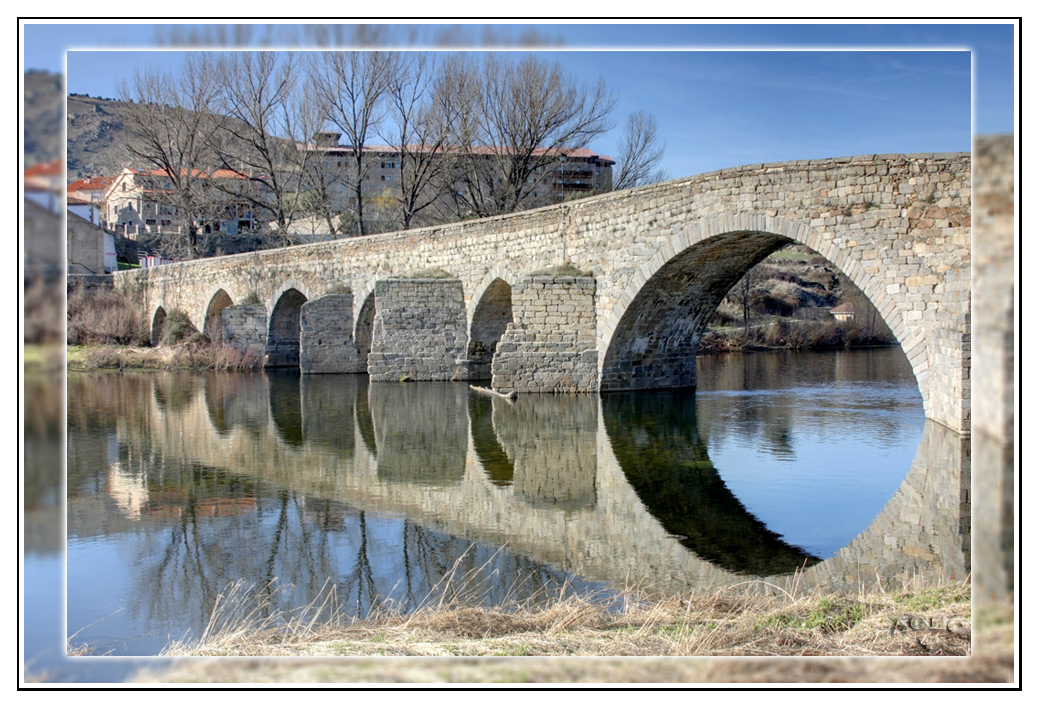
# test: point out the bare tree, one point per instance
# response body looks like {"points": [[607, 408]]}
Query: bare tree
{"points": [[640, 154], [530, 113], [743, 294], [173, 130], [420, 129], [258, 94], [351, 88]]}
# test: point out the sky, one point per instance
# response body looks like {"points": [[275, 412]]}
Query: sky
{"points": [[717, 104]]}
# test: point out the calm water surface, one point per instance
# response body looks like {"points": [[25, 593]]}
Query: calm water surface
{"points": [[180, 485]]}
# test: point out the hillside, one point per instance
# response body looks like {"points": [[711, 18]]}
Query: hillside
{"points": [[95, 134], [42, 107]]}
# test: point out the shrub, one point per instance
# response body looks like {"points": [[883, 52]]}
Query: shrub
{"points": [[177, 328], [104, 316], [44, 306]]}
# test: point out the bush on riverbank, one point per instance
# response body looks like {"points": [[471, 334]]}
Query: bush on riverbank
{"points": [[177, 328], [103, 316]]}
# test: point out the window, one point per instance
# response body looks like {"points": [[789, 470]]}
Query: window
{"points": [[124, 187]]}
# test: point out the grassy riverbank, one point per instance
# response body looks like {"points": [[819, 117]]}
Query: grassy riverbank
{"points": [[575, 640], [725, 623], [194, 356]]}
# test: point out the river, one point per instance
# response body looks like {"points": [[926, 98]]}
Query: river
{"points": [[398, 494]]}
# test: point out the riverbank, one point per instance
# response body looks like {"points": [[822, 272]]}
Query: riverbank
{"points": [[199, 356], [913, 621], [917, 635]]}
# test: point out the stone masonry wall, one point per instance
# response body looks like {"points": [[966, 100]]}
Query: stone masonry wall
{"points": [[551, 344], [245, 327], [326, 339], [420, 330]]}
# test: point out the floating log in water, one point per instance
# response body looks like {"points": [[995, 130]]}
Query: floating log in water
{"points": [[510, 397]]}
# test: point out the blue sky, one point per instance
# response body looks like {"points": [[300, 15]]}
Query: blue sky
{"points": [[715, 108]]}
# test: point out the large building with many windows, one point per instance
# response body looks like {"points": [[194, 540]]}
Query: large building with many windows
{"points": [[563, 173]]}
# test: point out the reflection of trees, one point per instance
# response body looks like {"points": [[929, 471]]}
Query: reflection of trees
{"points": [[655, 440]]}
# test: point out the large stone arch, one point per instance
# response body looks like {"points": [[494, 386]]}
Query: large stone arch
{"points": [[491, 312], [650, 338], [283, 324], [211, 320]]}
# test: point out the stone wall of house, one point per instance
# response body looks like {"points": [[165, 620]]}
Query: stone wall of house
{"points": [[898, 225], [326, 335], [419, 331], [551, 344], [245, 327]]}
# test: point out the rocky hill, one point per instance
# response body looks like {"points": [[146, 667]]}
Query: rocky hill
{"points": [[95, 136], [43, 97]]}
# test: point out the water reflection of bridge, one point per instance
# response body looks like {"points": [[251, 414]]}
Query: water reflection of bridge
{"points": [[563, 480]]}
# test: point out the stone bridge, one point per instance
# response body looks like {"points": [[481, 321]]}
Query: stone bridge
{"points": [[659, 258]]}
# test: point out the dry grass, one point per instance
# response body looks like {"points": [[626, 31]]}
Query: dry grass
{"points": [[729, 622], [324, 653], [198, 355], [103, 316]]}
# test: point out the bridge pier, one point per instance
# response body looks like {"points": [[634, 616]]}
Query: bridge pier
{"points": [[326, 335], [419, 331], [245, 328], [551, 344]]}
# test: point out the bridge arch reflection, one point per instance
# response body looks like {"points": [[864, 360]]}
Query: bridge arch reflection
{"points": [[511, 475]]}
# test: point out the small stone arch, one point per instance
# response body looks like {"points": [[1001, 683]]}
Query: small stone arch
{"points": [[364, 325], [158, 320], [212, 321], [649, 338], [283, 325], [496, 274], [491, 315]]}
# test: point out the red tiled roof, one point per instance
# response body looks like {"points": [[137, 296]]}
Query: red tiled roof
{"points": [[220, 174], [91, 183], [45, 169]]}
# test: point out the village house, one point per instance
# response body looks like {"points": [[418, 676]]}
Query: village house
{"points": [[141, 202], [86, 197], [89, 248], [43, 184], [844, 313]]}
